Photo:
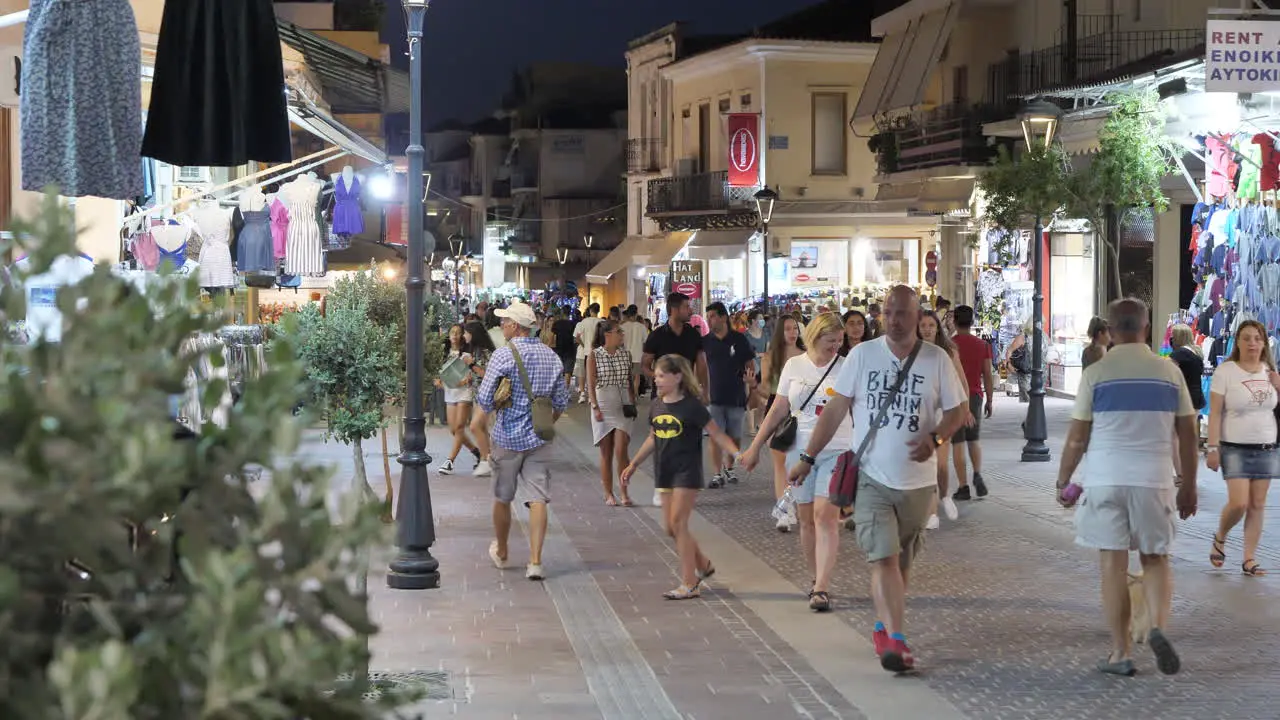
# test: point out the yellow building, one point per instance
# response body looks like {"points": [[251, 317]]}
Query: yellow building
{"points": [[715, 119]]}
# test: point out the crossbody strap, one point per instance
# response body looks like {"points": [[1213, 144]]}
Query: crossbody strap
{"points": [[893, 395], [524, 376], [814, 391]]}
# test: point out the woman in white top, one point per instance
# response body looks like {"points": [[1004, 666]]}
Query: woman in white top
{"points": [[458, 401], [784, 344], [804, 387], [1242, 439], [930, 330]]}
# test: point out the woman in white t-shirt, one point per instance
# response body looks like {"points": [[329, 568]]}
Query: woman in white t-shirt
{"points": [[804, 387], [1242, 439]]}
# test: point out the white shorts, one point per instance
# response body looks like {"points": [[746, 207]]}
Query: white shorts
{"points": [[1119, 517]]}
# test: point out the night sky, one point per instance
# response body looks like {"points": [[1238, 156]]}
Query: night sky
{"points": [[472, 46]]}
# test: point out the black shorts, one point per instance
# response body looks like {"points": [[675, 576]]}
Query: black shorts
{"points": [[970, 434], [680, 478]]}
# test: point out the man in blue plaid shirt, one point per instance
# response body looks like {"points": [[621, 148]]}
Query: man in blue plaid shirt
{"points": [[518, 452]]}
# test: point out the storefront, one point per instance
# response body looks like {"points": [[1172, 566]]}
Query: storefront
{"points": [[1070, 305]]}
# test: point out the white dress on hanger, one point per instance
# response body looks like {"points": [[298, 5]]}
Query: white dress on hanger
{"points": [[304, 249], [214, 224]]}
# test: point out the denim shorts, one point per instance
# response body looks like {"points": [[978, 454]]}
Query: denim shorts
{"points": [[729, 418], [818, 482], [1249, 463]]}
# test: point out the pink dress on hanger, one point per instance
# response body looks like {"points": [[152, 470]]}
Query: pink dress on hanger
{"points": [[1218, 173], [279, 228]]}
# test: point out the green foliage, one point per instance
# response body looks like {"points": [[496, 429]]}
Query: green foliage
{"points": [[351, 365], [257, 620], [1016, 190], [1133, 157]]}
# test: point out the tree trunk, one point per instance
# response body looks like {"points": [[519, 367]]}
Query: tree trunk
{"points": [[360, 494], [389, 502], [1113, 244], [361, 478]]}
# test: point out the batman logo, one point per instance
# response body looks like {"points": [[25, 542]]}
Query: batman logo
{"points": [[666, 427]]}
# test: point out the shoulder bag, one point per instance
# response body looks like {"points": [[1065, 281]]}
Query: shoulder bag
{"points": [[542, 409], [785, 436], [843, 490]]}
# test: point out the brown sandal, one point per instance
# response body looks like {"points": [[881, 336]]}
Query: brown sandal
{"points": [[1252, 568], [1218, 554]]}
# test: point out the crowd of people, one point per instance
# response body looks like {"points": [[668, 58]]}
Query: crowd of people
{"points": [[884, 406]]}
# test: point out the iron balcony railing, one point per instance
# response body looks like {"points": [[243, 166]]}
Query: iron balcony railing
{"points": [[702, 193], [948, 135], [644, 155], [1089, 59]]}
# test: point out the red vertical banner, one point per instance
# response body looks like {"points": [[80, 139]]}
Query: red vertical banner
{"points": [[744, 150]]}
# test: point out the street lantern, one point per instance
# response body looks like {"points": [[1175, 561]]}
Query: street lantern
{"points": [[1039, 123], [413, 567], [562, 255], [457, 242], [765, 199], [588, 239]]}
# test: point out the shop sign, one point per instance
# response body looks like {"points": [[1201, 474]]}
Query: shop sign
{"points": [[1242, 56], [744, 150], [687, 277], [779, 142], [931, 268]]}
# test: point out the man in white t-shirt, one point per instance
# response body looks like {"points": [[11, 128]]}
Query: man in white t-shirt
{"points": [[44, 319], [898, 472], [1127, 410], [584, 334], [634, 334]]}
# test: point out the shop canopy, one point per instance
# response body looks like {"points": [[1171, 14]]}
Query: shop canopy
{"points": [[910, 50], [304, 113], [353, 83], [639, 252], [719, 244]]}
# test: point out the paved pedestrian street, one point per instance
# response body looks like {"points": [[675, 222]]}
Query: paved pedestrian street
{"points": [[1004, 613]]}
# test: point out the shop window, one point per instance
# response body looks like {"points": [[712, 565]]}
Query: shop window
{"points": [[745, 101], [724, 105], [829, 150]]}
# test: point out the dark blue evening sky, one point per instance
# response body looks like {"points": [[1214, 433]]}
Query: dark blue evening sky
{"points": [[472, 46]]}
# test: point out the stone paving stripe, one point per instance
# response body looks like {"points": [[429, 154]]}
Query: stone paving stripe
{"points": [[625, 687]]}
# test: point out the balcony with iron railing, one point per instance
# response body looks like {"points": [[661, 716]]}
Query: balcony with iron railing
{"points": [[644, 155], [702, 193], [1096, 52], [947, 135]]}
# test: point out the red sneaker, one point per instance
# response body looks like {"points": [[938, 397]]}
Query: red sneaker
{"points": [[880, 639], [897, 658]]}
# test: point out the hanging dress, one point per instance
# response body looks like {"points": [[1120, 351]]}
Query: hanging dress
{"points": [[347, 218], [218, 94], [279, 227], [304, 251], [255, 246], [81, 104], [216, 270]]}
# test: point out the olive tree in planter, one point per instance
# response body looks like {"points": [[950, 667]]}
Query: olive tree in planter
{"points": [[230, 597]]}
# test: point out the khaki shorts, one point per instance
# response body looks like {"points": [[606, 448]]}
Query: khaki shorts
{"points": [[891, 522], [531, 468], [1117, 517]]}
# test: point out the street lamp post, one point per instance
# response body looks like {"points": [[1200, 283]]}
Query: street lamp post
{"points": [[456, 242], [1039, 121], [588, 239], [765, 198], [413, 567]]}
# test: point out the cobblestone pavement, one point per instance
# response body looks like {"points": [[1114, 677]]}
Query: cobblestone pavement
{"points": [[1004, 612]]}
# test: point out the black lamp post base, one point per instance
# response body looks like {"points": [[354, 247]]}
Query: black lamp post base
{"points": [[1036, 451], [414, 571]]}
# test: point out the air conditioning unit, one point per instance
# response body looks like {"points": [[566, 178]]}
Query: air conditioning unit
{"points": [[191, 175], [686, 167], [10, 74]]}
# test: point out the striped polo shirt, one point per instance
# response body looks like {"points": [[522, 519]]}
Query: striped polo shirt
{"points": [[1132, 396]]}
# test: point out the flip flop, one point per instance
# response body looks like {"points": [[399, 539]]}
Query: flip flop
{"points": [[611, 501], [626, 502], [1167, 660], [1123, 668]]}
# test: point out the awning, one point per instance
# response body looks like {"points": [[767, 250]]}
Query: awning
{"points": [[352, 81], [306, 114], [945, 195], [906, 59], [638, 252], [719, 244]]}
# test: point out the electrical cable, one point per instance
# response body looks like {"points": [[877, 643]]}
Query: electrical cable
{"points": [[459, 203]]}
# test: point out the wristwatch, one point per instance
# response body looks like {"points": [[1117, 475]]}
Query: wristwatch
{"points": [[937, 441], [807, 459]]}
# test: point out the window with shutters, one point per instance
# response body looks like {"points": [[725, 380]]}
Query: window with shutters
{"points": [[829, 139]]}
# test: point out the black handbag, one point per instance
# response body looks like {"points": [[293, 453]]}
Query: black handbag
{"points": [[785, 436]]}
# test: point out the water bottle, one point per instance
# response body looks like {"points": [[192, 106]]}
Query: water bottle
{"points": [[785, 507]]}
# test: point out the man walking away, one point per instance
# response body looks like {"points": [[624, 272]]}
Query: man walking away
{"points": [[634, 334], [1129, 404], [520, 456], [729, 356], [898, 473], [975, 357], [584, 335], [562, 328]]}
